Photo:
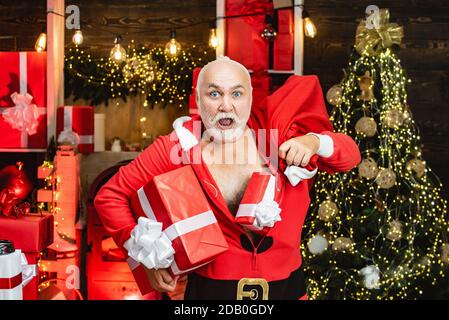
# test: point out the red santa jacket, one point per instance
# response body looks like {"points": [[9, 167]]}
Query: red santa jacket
{"points": [[295, 109]]}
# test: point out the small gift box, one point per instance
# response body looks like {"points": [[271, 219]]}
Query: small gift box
{"points": [[30, 234], [173, 204], [15, 272], [259, 210], [75, 125]]}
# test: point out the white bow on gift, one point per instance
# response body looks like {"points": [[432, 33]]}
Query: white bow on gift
{"points": [[267, 213], [23, 116], [70, 137], [149, 245]]}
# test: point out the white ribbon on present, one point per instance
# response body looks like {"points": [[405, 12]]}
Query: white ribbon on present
{"points": [[68, 135], [185, 137], [23, 116], [149, 245], [266, 212], [296, 174], [29, 271]]}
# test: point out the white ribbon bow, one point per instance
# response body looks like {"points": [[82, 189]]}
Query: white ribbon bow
{"points": [[149, 245], [296, 174], [69, 136], [28, 270], [185, 137], [23, 116], [267, 213]]}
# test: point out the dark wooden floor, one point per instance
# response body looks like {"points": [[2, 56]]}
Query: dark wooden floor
{"points": [[424, 53]]}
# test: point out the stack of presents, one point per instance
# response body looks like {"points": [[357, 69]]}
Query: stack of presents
{"points": [[43, 253]]}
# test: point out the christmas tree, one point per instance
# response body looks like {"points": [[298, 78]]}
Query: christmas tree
{"points": [[380, 230]]}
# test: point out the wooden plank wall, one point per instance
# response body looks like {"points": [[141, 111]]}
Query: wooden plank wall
{"points": [[424, 53]]}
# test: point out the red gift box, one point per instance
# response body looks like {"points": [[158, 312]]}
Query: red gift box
{"points": [[24, 73], [31, 234], [261, 187], [243, 34], [80, 120], [177, 201], [261, 83], [283, 43]]}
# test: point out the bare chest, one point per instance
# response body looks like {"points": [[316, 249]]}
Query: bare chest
{"points": [[232, 181]]}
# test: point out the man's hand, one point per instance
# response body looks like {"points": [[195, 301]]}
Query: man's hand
{"points": [[298, 151], [161, 280]]}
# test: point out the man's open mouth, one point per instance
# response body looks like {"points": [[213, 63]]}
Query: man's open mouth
{"points": [[225, 123]]}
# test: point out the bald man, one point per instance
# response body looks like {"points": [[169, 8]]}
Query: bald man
{"points": [[258, 264]]}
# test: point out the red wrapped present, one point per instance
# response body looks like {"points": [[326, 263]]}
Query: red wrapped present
{"points": [[259, 209], [31, 234], [190, 225], [243, 34], [76, 125], [283, 43], [23, 113], [261, 83]]}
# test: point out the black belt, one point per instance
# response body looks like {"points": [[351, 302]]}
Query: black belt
{"points": [[202, 288]]}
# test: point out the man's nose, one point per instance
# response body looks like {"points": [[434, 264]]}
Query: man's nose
{"points": [[226, 106]]}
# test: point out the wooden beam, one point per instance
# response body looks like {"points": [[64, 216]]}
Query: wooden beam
{"points": [[55, 62]]}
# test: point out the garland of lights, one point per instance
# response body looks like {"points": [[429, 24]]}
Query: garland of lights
{"points": [[161, 78], [380, 230]]}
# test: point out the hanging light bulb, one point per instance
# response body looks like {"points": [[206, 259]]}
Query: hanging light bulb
{"points": [[172, 47], [41, 42], [309, 26], [77, 38], [269, 33], [118, 53], [213, 39]]}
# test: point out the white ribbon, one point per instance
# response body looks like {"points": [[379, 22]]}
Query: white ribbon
{"points": [[185, 137], [29, 271], [296, 174], [23, 116], [149, 245], [266, 212], [68, 135]]}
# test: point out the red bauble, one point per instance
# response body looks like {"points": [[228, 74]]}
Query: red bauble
{"points": [[13, 177]]}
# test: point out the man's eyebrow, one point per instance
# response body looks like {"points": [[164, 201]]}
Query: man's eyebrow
{"points": [[216, 86], [213, 85]]}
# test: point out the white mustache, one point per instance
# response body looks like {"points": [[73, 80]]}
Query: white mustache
{"points": [[222, 115]]}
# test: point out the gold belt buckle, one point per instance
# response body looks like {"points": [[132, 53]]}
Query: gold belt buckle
{"points": [[253, 294]]}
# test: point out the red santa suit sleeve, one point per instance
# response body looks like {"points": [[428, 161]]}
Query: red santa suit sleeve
{"points": [[297, 108], [111, 202]]}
